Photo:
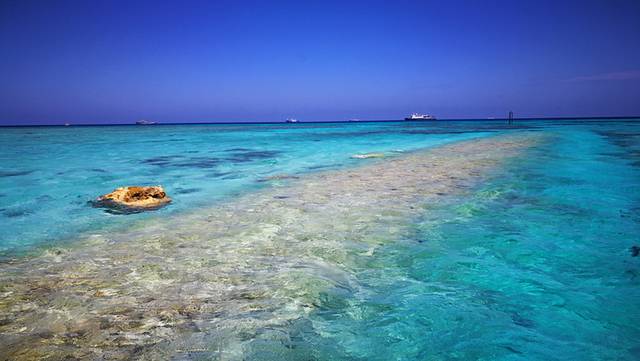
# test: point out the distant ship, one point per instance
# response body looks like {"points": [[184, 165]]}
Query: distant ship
{"points": [[145, 122], [416, 116], [292, 120]]}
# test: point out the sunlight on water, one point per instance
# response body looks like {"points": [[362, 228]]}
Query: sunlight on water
{"points": [[61, 169], [513, 245]]}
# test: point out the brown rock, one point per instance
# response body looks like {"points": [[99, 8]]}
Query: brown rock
{"points": [[133, 199]]}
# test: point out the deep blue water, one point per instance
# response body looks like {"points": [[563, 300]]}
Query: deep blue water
{"points": [[532, 264]]}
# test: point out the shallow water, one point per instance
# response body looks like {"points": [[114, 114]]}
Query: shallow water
{"points": [[532, 264], [513, 246], [48, 174]]}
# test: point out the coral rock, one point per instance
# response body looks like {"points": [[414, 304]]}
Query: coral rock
{"points": [[133, 199]]}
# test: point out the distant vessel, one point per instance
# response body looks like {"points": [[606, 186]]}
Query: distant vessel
{"points": [[354, 119], [67, 124], [292, 120], [416, 116], [145, 122]]}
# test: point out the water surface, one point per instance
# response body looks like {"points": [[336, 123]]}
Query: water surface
{"points": [[494, 243]]}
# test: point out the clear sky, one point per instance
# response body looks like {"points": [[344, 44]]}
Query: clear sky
{"points": [[197, 61]]}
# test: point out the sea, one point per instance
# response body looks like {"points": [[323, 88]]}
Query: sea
{"points": [[468, 240]]}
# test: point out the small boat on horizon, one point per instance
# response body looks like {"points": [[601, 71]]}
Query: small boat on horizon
{"points": [[292, 120], [145, 122], [416, 116]]}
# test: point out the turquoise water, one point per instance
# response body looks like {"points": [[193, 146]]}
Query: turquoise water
{"points": [[532, 263], [48, 174]]}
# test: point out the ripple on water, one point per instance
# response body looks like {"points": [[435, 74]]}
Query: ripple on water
{"points": [[17, 173], [251, 265], [332, 270]]}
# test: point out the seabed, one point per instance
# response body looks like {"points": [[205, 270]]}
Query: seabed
{"points": [[237, 279]]}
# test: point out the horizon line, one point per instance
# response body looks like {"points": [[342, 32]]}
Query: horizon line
{"points": [[325, 121]]}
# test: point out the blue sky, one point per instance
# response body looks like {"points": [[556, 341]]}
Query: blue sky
{"points": [[197, 61]]}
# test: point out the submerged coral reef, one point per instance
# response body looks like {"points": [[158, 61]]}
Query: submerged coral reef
{"points": [[212, 282]]}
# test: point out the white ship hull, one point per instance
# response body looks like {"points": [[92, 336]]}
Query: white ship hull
{"points": [[420, 117]]}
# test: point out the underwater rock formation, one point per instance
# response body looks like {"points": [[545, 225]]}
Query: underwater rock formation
{"points": [[133, 199], [215, 283]]}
